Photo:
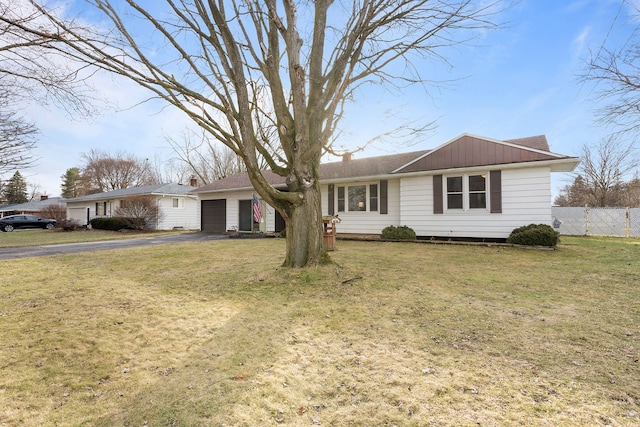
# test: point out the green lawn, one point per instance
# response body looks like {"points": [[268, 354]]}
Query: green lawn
{"points": [[216, 333]]}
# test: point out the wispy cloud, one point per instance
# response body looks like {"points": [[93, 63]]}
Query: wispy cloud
{"points": [[581, 42]]}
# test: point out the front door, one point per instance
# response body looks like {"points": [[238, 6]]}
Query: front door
{"points": [[280, 225], [246, 215]]}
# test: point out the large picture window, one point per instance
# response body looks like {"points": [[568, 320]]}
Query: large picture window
{"points": [[358, 198]]}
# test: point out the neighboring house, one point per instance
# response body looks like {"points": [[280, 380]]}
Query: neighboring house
{"points": [[178, 209], [469, 187], [31, 208]]}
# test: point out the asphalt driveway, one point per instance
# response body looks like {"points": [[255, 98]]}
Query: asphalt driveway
{"points": [[72, 248]]}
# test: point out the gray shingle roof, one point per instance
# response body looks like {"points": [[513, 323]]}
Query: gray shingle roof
{"points": [[354, 168], [154, 189], [538, 142], [33, 206]]}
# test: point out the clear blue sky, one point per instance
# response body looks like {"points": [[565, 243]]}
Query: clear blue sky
{"points": [[514, 82]]}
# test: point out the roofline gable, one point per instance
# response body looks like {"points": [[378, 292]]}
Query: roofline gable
{"points": [[468, 150], [507, 143]]}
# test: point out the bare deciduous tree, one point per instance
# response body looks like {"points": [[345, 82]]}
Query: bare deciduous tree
{"points": [[17, 138], [31, 70], [601, 176], [604, 168], [107, 172], [205, 159], [615, 72], [247, 69]]}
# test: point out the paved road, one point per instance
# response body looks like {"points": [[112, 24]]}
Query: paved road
{"points": [[72, 248]]}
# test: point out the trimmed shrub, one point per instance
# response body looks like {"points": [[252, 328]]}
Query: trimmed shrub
{"points": [[112, 223], [398, 233], [534, 235]]}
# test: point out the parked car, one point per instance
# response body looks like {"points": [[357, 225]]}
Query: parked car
{"points": [[12, 222]]}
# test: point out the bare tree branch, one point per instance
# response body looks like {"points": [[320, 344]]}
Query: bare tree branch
{"points": [[17, 138], [254, 72], [107, 172], [601, 176]]}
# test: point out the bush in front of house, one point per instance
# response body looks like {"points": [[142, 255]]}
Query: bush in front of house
{"points": [[534, 235], [402, 232], [112, 223], [141, 212], [69, 224], [55, 211]]}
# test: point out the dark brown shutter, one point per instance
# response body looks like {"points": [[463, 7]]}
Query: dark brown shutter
{"points": [[495, 183], [437, 194], [384, 209], [330, 206]]}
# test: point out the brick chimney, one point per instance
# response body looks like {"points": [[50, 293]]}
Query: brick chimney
{"points": [[346, 157], [43, 197], [193, 181]]}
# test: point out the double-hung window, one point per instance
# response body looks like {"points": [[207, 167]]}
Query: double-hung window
{"points": [[341, 199], [373, 197], [478, 191], [466, 192], [454, 192]]}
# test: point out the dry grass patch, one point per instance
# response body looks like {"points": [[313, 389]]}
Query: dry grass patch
{"points": [[215, 333], [24, 238]]}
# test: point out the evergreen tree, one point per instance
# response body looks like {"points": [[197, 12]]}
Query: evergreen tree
{"points": [[72, 185], [15, 189]]}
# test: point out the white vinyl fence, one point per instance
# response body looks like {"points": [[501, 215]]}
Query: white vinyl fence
{"points": [[623, 222]]}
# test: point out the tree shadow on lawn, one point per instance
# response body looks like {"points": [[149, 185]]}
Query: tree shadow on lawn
{"points": [[241, 343]]}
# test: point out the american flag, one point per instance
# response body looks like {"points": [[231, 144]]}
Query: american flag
{"points": [[257, 209]]}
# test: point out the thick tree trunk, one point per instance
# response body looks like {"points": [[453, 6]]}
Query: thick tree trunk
{"points": [[304, 231]]}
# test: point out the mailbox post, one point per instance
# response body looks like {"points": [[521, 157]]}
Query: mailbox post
{"points": [[329, 231]]}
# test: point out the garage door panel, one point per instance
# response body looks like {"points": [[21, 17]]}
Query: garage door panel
{"points": [[214, 215]]}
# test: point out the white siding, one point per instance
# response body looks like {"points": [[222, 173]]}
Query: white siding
{"points": [[185, 215], [268, 224], [366, 222], [526, 199]]}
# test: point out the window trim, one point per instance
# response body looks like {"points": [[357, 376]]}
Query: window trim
{"points": [[466, 192], [342, 196], [485, 177], [354, 193], [374, 200]]}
